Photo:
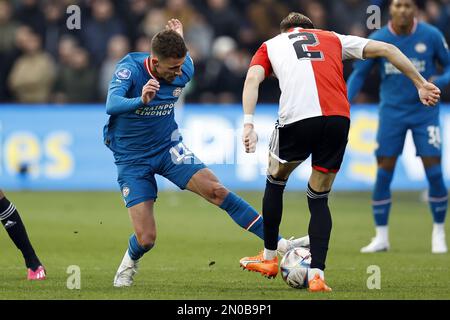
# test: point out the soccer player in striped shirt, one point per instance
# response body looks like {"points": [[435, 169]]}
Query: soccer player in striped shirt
{"points": [[314, 119]]}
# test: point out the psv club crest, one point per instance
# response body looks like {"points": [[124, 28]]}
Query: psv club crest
{"points": [[177, 92], [421, 47]]}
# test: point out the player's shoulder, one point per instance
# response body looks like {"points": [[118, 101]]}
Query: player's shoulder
{"points": [[128, 66], [133, 59], [188, 66], [275, 39], [188, 62], [424, 27]]}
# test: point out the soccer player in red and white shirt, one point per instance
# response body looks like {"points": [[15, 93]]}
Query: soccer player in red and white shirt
{"points": [[314, 119]]}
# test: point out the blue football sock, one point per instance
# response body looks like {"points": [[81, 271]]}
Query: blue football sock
{"points": [[437, 193], [243, 214], [381, 198], [135, 250]]}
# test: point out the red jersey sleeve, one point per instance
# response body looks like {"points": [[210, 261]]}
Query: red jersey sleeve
{"points": [[261, 58]]}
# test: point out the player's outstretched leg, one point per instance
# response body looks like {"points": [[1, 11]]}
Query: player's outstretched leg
{"points": [[266, 262], [438, 200], [381, 205], [140, 242], [16, 230], [206, 184]]}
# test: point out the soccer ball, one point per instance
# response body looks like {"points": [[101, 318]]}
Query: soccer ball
{"points": [[294, 267]]}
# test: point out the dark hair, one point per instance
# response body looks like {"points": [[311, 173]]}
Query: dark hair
{"points": [[295, 19], [168, 44], [415, 2]]}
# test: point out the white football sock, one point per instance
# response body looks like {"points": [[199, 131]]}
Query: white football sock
{"points": [[282, 244], [269, 254], [312, 272], [438, 228], [382, 233]]}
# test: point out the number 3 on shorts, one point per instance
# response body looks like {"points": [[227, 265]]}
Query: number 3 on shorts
{"points": [[434, 136]]}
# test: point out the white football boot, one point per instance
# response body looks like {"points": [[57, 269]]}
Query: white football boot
{"points": [[379, 243], [376, 245], [284, 245], [127, 269], [438, 244]]}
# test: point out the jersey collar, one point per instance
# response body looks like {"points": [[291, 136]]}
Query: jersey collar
{"points": [[147, 67], [413, 30]]}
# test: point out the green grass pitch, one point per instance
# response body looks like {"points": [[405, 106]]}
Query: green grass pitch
{"points": [[198, 249]]}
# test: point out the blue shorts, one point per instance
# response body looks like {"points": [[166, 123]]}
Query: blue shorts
{"points": [[392, 132], [137, 180]]}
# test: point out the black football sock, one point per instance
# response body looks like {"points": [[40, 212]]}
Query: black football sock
{"points": [[272, 211], [319, 226], [16, 230]]}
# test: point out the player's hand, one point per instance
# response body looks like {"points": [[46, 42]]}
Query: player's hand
{"points": [[429, 94], [149, 91], [175, 25], [249, 138]]}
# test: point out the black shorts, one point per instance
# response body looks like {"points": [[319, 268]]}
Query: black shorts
{"points": [[324, 137]]}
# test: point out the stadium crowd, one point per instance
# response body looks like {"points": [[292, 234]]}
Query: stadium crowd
{"points": [[42, 61]]}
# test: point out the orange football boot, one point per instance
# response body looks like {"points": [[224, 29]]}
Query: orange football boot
{"points": [[268, 268], [317, 284]]}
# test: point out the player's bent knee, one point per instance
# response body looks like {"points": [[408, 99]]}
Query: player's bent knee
{"points": [[387, 163], [219, 193], [147, 240]]}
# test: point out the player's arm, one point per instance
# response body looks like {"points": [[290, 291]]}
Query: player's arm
{"points": [[443, 56], [352, 48], [255, 76], [358, 76], [117, 101], [429, 94], [260, 68]]}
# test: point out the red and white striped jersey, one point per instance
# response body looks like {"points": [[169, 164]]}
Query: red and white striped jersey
{"points": [[308, 65]]}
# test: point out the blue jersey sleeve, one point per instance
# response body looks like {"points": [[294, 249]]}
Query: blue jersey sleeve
{"points": [[117, 101], [361, 70], [443, 57], [189, 67], [359, 74]]}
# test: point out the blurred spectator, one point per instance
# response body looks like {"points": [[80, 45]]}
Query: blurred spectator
{"points": [[136, 11], [347, 13], [317, 13], [154, 21], [32, 75], [265, 17], [211, 27], [438, 15], [143, 44], [76, 81], [55, 25], [223, 18], [66, 46], [8, 27], [181, 10], [100, 28], [30, 14], [222, 78], [118, 47], [200, 35]]}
